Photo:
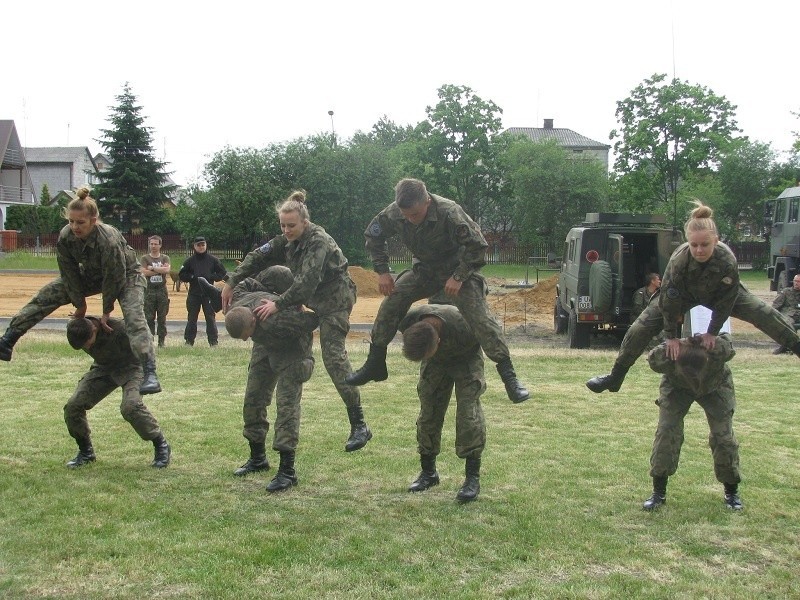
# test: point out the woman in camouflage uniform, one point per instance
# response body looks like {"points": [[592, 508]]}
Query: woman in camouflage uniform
{"points": [[93, 258], [322, 283], [703, 271]]}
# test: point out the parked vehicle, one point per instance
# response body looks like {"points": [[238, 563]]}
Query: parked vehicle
{"points": [[783, 214], [605, 261]]}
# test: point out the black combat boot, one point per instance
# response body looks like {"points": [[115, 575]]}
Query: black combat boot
{"points": [[359, 432], [162, 452], [7, 342], [257, 461], [285, 477], [150, 384], [428, 477], [472, 484], [373, 370], [659, 496], [85, 454], [732, 499], [514, 388], [611, 382]]}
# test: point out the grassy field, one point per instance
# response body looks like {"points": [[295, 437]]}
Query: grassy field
{"points": [[559, 515]]}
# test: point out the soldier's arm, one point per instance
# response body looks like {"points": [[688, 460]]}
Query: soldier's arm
{"points": [[468, 235], [267, 255], [376, 235]]}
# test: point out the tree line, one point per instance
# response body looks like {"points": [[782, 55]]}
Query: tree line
{"points": [[675, 140]]}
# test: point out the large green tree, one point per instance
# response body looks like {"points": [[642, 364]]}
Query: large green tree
{"points": [[668, 130], [552, 190], [133, 193]]}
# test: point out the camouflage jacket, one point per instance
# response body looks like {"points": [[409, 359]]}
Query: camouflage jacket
{"points": [[100, 264], [448, 241], [706, 378], [457, 338], [787, 302], [687, 283], [112, 351], [286, 331], [267, 255]]}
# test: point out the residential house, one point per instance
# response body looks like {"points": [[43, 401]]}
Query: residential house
{"points": [[16, 186], [65, 168], [580, 145]]}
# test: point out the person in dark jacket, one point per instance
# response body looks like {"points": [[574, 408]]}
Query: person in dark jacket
{"points": [[202, 264]]}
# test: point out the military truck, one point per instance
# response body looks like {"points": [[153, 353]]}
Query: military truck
{"points": [[605, 261], [783, 216]]}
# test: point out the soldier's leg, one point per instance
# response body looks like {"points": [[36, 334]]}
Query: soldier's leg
{"points": [[333, 328], [471, 303], [757, 312], [673, 405], [91, 389], [719, 407], [287, 414], [50, 297], [470, 424], [636, 339], [162, 310], [132, 304], [134, 411], [435, 387], [261, 380], [150, 308], [409, 287]]}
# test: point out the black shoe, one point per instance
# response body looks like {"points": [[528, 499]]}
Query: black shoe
{"points": [[515, 390], [7, 344], [282, 481], [84, 457], [611, 382], [163, 453], [424, 481], [654, 501], [733, 502], [359, 436], [253, 465], [469, 490], [150, 383], [374, 368]]}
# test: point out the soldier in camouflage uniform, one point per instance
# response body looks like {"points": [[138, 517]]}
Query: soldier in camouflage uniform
{"points": [[93, 259], [703, 271], [281, 359], [702, 376], [155, 267], [642, 296], [787, 302], [322, 283], [115, 366], [448, 249], [451, 356]]}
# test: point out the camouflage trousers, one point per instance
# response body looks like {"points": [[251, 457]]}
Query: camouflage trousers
{"points": [[275, 373], [156, 309], [435, 388], [333, 328], [98, 383], [411, 286], [673, 405], [54, 295], [747, 308]]}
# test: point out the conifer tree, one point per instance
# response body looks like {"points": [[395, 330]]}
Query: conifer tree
{"points": [[133, 192]]}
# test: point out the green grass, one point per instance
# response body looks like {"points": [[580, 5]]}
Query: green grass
{"points": [[559, 514]]}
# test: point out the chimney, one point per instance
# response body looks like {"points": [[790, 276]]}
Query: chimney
{"points": [[548, 123]]}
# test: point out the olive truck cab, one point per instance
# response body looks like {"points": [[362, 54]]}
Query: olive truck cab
{"points": [[783, 218], [605, 261]]}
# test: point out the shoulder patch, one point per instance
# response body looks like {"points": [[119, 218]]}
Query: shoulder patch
{"points": [[375, 229], [727, 280], [673, 293], [265, 249]]}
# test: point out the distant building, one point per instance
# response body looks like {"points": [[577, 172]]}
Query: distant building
{"points": [[580, 145], [66, 168], [16, 186]]}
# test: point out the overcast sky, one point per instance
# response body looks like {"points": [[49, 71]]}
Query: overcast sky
{"points": [[247, 74]]}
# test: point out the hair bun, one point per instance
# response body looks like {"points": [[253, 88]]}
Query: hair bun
{"points": [[82, 192]]}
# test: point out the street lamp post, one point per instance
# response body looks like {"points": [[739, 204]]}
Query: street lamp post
{"points": [[333, 131]]}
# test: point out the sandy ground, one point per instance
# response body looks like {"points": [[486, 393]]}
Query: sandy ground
{"points": [[530, 309]]}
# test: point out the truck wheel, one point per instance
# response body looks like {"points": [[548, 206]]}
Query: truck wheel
{"points": [[601, 286], [560, 318], [783, 280], [578, 333]]}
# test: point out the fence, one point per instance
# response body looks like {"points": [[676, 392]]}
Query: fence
{"points": [[749, 254]]}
